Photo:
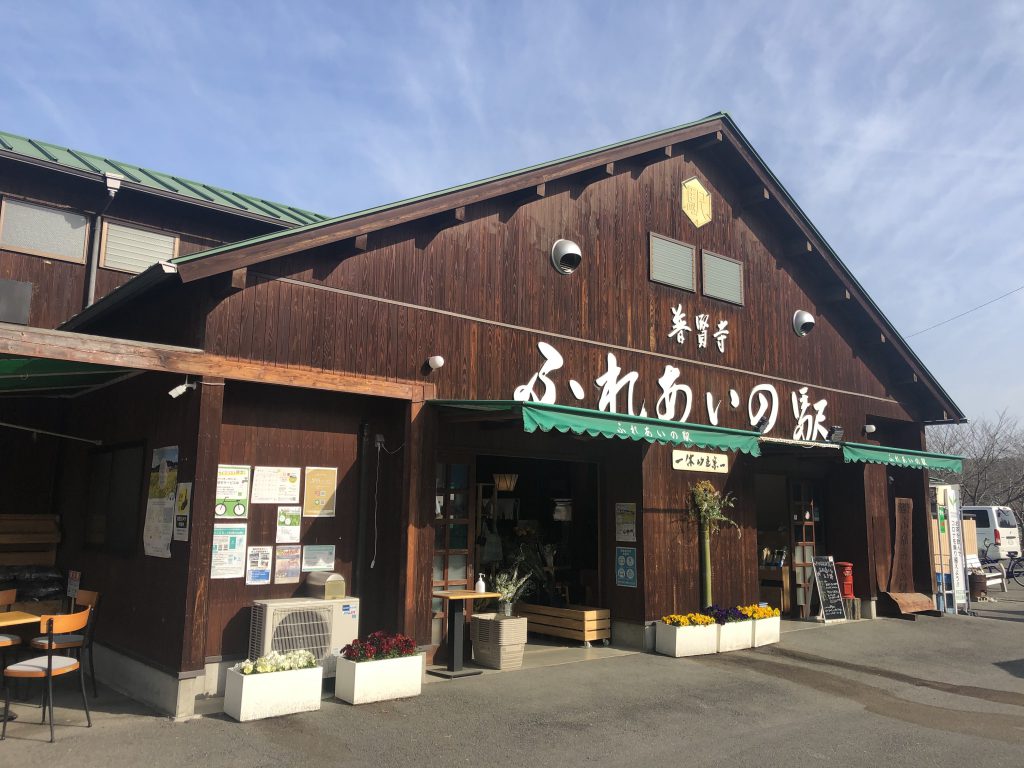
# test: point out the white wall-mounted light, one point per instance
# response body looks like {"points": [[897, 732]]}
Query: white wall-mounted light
{"points": [[566, 256], [803, 322], [869, 429], [434, 362], [181, 389]]}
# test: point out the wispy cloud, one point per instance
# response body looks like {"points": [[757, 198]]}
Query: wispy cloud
{"points": [[898, 127]]}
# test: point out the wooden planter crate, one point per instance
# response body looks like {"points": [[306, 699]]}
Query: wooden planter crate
{"points": [[498, 641], [574, 622]]}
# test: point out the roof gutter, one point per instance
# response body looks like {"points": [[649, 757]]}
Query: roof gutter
{"points": [[157, 274]]}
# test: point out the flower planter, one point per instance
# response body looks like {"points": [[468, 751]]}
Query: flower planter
{"points": [[766, 631], [368, 681], [734, 636], [269, 694], [685, 641], [498, 641]]}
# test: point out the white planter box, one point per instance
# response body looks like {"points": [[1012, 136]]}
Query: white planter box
{"points": [[734, 636], [767, 631], [367, 681], [685, 641], [253, 697]]}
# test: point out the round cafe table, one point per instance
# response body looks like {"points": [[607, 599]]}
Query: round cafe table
{"points": [[457, 599]]}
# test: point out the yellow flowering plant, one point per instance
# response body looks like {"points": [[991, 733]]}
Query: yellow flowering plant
{"points": [[758, 611], [687, 620]]}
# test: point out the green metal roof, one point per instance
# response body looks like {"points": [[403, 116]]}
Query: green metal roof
{"points": [[440, 193], [161, 183]]}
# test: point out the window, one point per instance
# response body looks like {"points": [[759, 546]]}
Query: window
{"points": [[42, 231], [723, 278], [131, 249], [981, 517], [1005, 518], [672, 262]]}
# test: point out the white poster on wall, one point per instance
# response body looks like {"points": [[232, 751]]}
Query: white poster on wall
{"points": [[228, 560], [258, 562], [625, 521], [275, 485]]}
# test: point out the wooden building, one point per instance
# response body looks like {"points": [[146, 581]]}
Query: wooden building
{"points": [[614, 326]]}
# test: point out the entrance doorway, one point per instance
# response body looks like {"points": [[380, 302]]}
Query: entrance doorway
{"points": [[544, 516], [789, 536]]}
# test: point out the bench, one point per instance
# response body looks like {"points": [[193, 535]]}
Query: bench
{"points": [[573, 622], [994, 572]]}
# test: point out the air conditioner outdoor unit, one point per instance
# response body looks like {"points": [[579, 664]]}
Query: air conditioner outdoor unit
{"points": [[319, 626]]}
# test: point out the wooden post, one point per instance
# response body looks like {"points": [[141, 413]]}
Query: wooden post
{"points": [[705, 560], [204, 491], [414, 574]]}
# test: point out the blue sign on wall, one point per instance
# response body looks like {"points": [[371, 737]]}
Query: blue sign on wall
{"points": [[625, 566]]}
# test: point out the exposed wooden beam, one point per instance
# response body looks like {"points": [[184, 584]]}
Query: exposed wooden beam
{"points": [[609, 169], [710, 141], [907, 379], [239, 278], [670, 151], [19, 341], [799, 248], [360, 242], [541, 190], [460, 213], [836, 296], [754, 196]]}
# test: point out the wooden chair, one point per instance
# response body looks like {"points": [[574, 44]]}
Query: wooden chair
{"points": [[7, 642], [79, 643], [47, 667]]}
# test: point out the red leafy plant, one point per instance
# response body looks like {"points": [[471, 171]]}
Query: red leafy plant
{"points": [[379, 645]]}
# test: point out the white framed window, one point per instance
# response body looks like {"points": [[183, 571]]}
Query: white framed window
{"points": [[723, 277], [40, 230], [134, 249], [672, 262]]}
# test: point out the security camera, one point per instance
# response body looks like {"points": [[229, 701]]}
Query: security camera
{"points": [[566, 256], [181, 389], [803, 322]]}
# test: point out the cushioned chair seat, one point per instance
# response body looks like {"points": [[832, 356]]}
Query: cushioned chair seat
{"points": [[60, 641], [37, 667], [6, 641]]}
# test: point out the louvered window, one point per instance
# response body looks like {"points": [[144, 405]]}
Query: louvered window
{"points": [[130, 249], [672, 262], [723, 278], [43, 231]]}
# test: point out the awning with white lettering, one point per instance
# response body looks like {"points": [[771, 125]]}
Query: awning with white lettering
{"points": [[584, 421], [901, 457]]}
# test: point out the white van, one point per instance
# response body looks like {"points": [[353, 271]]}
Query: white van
{"points": [[997, 531]]}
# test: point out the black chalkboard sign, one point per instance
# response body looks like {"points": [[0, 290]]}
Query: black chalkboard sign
{"points": [[828, 589]]}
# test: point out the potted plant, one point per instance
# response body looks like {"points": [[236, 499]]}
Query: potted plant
{"points": [[275, 684], [688, 634], [707, 507], [734, 632], [767, 623], [511, 586], [382, 667]]}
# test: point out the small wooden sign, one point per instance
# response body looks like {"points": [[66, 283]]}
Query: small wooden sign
{"points": [[696, 461], [74, 579], [832, 608]]}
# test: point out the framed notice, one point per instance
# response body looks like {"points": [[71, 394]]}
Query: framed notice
{"points": [[289, 525], [232, 492], [318, 557], [625, 522], [257, 565], [228, 560], [321, 492], [275, 485], [288, 565], [625, 567]]}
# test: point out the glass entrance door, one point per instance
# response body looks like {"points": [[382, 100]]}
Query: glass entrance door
{"points": [[453, 536]]}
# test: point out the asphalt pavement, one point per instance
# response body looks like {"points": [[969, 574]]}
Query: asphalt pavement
{"points": [[934, 691]]}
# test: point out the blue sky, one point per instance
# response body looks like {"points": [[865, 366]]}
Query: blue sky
{"points": [[898, 127]]}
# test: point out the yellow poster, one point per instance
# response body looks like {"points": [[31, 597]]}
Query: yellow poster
{"points": [[321, 492]]}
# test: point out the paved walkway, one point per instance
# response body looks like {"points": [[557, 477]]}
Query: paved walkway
{"points": [[932, 691]]}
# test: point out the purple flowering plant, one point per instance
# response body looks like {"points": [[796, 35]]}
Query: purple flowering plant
{"points": [[725, 615]]}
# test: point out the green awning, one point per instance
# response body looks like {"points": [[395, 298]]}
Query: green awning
{"points": [[56, 378], [584, 421], [901, 457]]}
